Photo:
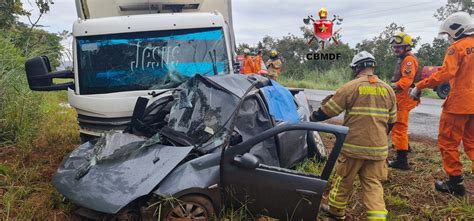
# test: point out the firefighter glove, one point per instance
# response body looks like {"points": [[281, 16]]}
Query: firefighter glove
{"points": [[414, 93]]}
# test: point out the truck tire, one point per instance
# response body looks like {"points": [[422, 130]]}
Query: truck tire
{"points": [[443, 90]]}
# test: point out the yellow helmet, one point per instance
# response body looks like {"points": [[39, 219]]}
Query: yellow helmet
{"points": [[323, 13], [401, 39], [273, 53]]}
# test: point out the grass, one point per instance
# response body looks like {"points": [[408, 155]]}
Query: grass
{"points": [[328, 80], [28, 165]]}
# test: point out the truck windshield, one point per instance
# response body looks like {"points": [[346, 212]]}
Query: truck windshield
{"points": [[149, 60]]}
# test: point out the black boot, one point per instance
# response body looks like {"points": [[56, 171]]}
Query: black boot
{"points": [[453, 186], [401, 161]]}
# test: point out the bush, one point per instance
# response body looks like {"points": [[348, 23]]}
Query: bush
{"points": [[18, 105]]}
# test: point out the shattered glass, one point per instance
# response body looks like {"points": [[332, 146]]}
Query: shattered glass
{"points": [[202, 111], [149, 60]]}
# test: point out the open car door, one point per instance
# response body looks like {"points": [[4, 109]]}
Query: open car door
{"points": [[276, 192]]}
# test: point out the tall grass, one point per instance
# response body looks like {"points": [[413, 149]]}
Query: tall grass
{"points": [[18, 105], [315, 79]]}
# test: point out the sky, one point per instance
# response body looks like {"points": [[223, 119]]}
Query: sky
{"points": [[255, 19]]}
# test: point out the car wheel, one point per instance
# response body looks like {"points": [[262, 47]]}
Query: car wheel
{"points": [[191, 207], [443, 90], [316, 147]]}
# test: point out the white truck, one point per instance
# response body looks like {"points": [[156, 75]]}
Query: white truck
{"points": [[124, 49]]}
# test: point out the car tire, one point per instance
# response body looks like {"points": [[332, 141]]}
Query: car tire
{"points": [[316, 146], [190, 207], [443, 90]]}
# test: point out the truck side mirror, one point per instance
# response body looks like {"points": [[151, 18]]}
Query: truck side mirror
{"points": [[40, 77]]}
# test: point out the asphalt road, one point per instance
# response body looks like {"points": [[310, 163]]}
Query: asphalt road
{"points": [[424, 119]]}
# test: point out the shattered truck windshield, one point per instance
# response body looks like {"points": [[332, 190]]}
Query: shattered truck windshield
{"points": [[149, 60]]}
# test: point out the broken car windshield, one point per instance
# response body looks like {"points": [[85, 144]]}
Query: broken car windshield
{"points": [[149, 60]]}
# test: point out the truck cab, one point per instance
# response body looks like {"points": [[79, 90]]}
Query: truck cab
{"points": [[125, 49]]}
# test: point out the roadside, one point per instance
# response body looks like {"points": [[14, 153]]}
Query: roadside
{"points": [[424, 119]]}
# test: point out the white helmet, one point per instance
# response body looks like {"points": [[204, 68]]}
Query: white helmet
{"points": [[457, 25], [246, 51], [363, 59]]}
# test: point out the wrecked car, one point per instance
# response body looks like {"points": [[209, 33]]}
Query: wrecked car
{"points": [[214, 143]]}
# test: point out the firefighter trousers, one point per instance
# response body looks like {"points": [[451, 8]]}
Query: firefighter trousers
{"points": [[400, 130], [371, 173], [454, 128]]}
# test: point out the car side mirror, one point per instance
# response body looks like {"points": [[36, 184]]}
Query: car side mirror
{"points": [[247, 161], [40, 77]]}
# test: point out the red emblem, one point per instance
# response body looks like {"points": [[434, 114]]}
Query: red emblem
{"points": [[323, 29]]}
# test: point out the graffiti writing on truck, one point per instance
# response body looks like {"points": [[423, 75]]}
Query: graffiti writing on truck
{"points": [[151, 57]]}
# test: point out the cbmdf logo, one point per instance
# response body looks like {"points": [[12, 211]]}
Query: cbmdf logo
{"points": [[323, 28]]}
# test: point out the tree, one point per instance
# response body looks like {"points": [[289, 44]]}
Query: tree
{"points": [[454, 6], [432, 54], [9, 9]]}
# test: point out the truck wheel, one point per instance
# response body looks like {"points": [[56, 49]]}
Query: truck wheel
{"points": [[191, 207], [443, 90], [316, 146]]}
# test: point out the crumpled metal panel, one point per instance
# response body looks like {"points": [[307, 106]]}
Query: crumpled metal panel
{"points": [[198, 173], [111, 183]]}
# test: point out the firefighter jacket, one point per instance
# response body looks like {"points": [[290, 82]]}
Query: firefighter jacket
{"points": [[404, 78], [369, 105], [458, 69], [274, 67]]}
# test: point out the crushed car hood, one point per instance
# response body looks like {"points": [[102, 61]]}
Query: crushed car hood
{"points": [[124, 169]]}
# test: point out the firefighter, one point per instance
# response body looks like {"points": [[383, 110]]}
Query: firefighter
{"points": [[248, 66], [370, 112], [403, 78], [258, 61], [274, 65], [457, 117]]}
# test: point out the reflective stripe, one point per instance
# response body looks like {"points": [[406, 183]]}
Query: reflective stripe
{"points": [[385, 212], [352, 146], [336, 206], [370, 108], [376, 218], [377, 215], [368, 114], [334, 106], [333, 194], [369, 111]]}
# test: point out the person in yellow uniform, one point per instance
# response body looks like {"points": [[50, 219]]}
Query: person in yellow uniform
{"points": [[370, 112], [274, 65]]}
